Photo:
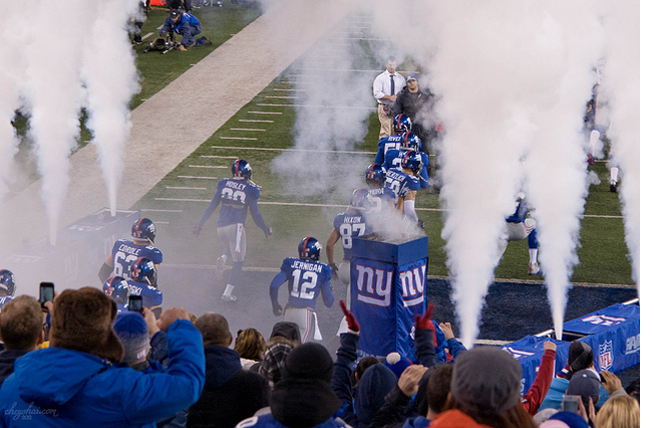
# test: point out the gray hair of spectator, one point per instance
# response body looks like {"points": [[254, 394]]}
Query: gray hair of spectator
{"points": [[21, 323], [214, 328]]}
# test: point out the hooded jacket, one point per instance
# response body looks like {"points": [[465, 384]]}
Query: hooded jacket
{"points": [[7, 360], [61, 387], [269, 421], [230, 393]]}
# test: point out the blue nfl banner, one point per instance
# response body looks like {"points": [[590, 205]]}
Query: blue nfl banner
{"points": [[386, 295]]}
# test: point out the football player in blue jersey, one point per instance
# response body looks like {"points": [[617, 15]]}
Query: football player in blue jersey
{"points": [[381, 199], [393, 158], [306, 278], [405, 183], [117, 288], [126, 251], [7, 287], [143, 282], [238, 195], [347, 225], [519, 227], [393, 142]]}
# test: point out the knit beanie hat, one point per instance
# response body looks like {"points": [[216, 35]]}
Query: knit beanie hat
{"points": [[580, 356], [82, 321], [286, 329], [132, 330], [486, 380], [308, 361], [397, 363]]}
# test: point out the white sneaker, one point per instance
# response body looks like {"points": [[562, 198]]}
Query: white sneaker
{"points": [[534, 269], [228, 298], [220, 266]]}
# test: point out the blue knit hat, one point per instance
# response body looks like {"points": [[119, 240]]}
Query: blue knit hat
{"points": [[397, 363], [132, 330]]}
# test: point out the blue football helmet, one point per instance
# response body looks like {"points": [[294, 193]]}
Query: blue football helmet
{"points": [[309, 249], [144, 229], [375, 174], [359, 199], [402, 123], [241, 168], [144, 271], [118, 288], [413, 161], [411, 141], [7, 282]]}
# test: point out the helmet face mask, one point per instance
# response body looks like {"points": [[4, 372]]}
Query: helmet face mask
{"points": [[309, 249], [411, 141], [413, 161], [241, 168], [375, 174], [7, 284], [144, 229], [402, 123], [118, 289], [144, 271]]}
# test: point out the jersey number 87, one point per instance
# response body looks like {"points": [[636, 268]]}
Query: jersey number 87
{"points": [[346, 233]]}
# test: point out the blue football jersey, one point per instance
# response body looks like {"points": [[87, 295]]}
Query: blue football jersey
{"points": [[4, 300], [386, 144], [152, 297], [521, 210], [349, 226], [401, 183], [237, 196], [125, 252], [306, 279], [393, 159]]}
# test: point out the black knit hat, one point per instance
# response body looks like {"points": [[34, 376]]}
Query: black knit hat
{"points": [[308, 361], [486, 380], [286, 329], [580, 356]]}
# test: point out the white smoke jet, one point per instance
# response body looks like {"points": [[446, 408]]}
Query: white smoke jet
{"points": [[55, 94], [111, 79], [621, 86]]}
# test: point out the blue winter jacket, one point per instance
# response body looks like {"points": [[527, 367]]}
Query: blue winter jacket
{"points": [[65, 388], [268, 421]]}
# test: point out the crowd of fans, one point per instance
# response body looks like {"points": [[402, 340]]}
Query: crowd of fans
{"points": [[92, 366]]}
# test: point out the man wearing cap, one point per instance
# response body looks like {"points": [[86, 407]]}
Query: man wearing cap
{"points": [[385, 88], [75, 382], [187, 25]]}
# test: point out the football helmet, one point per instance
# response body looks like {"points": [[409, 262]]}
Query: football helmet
{"points": [[309, 249], [144, 271], [402, 123], [144, 229], [375, 173], [413, 161], [7, 282], [241, 168], [411, 141], [118, 288], [359, 199]]}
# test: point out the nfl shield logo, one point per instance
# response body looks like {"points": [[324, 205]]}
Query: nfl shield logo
{"points": [[606, 355]]}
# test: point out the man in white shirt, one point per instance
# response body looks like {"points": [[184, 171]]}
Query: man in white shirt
{"points": [[384, 88]]}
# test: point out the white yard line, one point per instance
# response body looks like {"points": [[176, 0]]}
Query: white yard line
{"points": [[274, 149], [185, 188], [248, 129], [256, 121], [209, 166], [197, 178], [265, 112], [239, 138]]}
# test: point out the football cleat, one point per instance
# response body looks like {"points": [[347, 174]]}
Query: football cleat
{"points": [[228, 298], [534, 269], [613, 186]]}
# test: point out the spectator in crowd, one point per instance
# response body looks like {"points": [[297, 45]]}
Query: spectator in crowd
{"points": [[363, 365], [565, 419], [21, 329], [532, 400], [136, 23], [485, 392], [72, 382], [303, 396], [284, 337], [619, 411], [586, 384], [143, 282], [186, 25], [251, 346], [580, 357], [385, 88]]}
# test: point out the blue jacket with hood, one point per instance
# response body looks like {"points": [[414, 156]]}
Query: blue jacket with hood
{"points": [[65, 388]]}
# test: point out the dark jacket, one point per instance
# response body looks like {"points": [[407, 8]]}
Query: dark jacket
{"points": [[72, 388], [230, 393], [7, 359]]}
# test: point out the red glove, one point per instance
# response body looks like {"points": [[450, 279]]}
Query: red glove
{"points": [[352, 323], [424, 322]]}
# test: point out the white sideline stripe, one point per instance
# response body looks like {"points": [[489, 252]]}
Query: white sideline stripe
{"points": [[282, 97], [601, 216], [256, 121], [273, 149], [265, 112], [146, 36], [359, 38], [197, 178], [162, 222], [208, 166], [185, 188], [318, 106], [239, 138], [218, 157], [290, 90], [248, 129], [161, 211]]}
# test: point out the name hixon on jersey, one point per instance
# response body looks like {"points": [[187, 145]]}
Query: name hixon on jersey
{"points": [[152, 296], [386, 144], [400, 182], [235, 195], [125, 252], [4, 300], [306, 280], [393, 160], [349, 226]]}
